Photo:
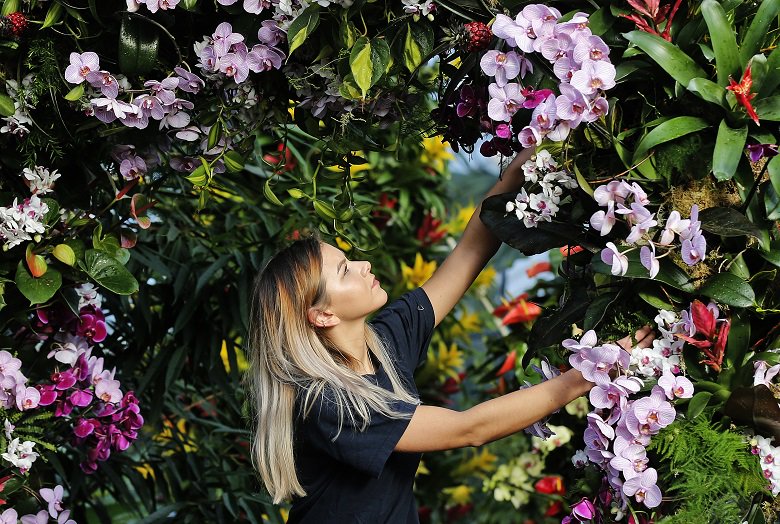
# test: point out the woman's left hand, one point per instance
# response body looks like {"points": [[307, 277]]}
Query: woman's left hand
{"points": [[643, 336]]}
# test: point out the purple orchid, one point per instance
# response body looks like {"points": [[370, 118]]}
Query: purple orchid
{"points": [[270, 33], [504, 102], [264, 58], [529, 136], [104, 81], [759, 151], [643, 488], [649, 260], [590, 48], [570, 105], [54, 498], [593, 76], [553, 49], [604, 220], [648, 415], [612, 256], [81, 65], [187, 81], [675, 386], [502, 66], [224, 38]]}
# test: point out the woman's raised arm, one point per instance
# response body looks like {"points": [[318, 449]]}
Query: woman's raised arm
{"points": [[477, 245]]}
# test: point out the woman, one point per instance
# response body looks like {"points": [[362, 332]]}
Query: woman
{"points": [[337, 423]]}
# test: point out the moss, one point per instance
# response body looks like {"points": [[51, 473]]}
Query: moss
{"points": [[685, 159]]}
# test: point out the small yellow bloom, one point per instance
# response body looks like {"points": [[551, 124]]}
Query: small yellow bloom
{"points": [[461, 219], [146, 471], [456, 63], [481, 463], [184, 437], [353, 168], [458, 494], [343, 244], [449, 360], [485, 277], [243, 365], [467, 324], [417, 275], [436, 153]]}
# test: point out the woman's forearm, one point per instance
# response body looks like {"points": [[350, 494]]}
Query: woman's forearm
{"points": [[510, 413]]}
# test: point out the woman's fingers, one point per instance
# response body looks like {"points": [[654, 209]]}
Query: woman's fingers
{"points": [[644, 337]]}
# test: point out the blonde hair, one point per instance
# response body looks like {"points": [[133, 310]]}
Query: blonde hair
{"points": [[292, 360]]}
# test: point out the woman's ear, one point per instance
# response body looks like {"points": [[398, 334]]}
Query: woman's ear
{"points": [[319, 318]]}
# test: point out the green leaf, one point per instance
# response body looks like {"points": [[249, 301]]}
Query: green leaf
{"points": [[108, 272], [303, 26], [698, 403], [324, 210], [772, 77], [768, 108], [269, 194], [597, 309], [139, 44], [724, 42], [417, 45], [668, 273], [361, 64], [709, 91], [7, 107], [772, 255], [234, 162], [728, 150], [727, 222], [667, 131], [772, 203], [738, 343], [759, 28], [53, 15], [198, 177], [37, 290], [215, 133], [727, 288], [75, 93], [668, 56], [9, 6]]}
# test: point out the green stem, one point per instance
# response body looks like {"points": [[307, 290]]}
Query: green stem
{"points": [[753, 189]]}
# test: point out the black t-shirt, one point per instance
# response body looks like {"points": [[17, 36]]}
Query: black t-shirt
{"points": [[358, 478]]}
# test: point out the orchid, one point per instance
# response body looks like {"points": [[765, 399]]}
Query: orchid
{"points": [[81, 66], [503, 66]]}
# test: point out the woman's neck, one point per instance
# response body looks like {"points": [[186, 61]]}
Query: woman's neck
{"points": [[351, 340]]}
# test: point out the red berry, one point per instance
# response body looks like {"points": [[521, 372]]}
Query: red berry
{"points": [[479, 36], [18, 23]]}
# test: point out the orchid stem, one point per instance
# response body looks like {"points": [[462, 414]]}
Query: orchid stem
{"points": [[753, 189]]}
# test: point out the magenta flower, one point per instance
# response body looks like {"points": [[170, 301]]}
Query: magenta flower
{"points": [[80, 397], [92, 324], [534, 97], [594, 76], [503, 66], [81, 65], [85, 427], [619, 262], [503, 131], [643, 488], [583, 510], [504, 102]]}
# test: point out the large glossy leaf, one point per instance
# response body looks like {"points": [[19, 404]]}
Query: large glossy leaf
{"points": [[669, 272], [698, 403], [416, 45], [727, 222], [768, 108], [758, 29], [109, 273], [772, 77], [729, 289], [555, 325], [529, 241], [37, 290], [728, 150], [709, 91], [724, 42], [7, 107], [368, 61], [757, 407], [668, 56], [597, 309], [668, 131], [738, 343], [139, 44], [9, 6], [303, 26]]}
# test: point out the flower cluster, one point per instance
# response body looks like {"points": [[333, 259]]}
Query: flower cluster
{"points": [[225, 52], [620, 427], [152, 5], [629, 201], [16, 394], [580, 62], [543, 174], [55, 510], [17, 123], [768, 455], [513, 481], [22, 221], [160, 103], [418, 9]]}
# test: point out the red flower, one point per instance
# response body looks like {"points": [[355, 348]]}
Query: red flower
{"points": [[505, 307], [555, 508], [539, 267], [283, 160], [431, 230], [551, 485], [709, 337], [652, 10], [570, 250], [382, 214], [522, 312], [509, 363], [741, 90]]}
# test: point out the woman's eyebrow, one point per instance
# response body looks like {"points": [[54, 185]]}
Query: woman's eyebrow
{"points": [[338, 267]]}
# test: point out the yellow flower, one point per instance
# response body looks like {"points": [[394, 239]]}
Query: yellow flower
{"points": [[485, 277], [456, 63], [466, 324], [458, 494], [353, 168], [422, 469], [578, 407], [146, 470], [449, 360], [435, 153], [183, 437], [480, 463], [461, 219], [343, 245], [417, 275], [561, 436], [243, 365]]}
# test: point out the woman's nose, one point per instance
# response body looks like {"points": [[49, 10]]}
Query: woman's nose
{"points": [[366, 268]]}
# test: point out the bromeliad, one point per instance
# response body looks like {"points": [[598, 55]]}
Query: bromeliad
{"points": [[741, 90]]}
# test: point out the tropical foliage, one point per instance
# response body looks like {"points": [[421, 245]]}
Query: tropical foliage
{"points": [[155, 152]]}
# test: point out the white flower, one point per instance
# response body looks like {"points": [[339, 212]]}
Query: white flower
{"points": [[39, 179], [580, 459], [89, 296], [21, 455], [9, 429]]}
